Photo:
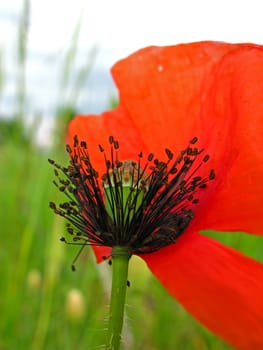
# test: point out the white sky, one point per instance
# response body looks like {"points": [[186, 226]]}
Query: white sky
{"points": [[117, 28], [126, 25]]}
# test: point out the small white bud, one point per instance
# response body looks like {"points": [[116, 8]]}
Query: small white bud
{"points": [[75, 305]]}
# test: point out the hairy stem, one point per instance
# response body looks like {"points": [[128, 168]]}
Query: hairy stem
{"points": [[120, 262]]}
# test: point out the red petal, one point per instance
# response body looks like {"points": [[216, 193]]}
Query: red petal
{"points": [[159, 98], [236, 93], [162, 89], [101, 252], [213, 91], [219, 286], [96, 130]]}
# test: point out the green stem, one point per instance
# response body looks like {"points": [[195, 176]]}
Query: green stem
{"points": [[120, 262]]}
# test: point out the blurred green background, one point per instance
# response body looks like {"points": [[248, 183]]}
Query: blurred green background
{"points": [[43, 304]]}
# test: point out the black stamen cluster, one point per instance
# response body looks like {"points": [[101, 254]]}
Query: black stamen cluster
{"points": [[143, 207]]}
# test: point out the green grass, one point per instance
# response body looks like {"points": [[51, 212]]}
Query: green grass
{"points": [[34, 317]]}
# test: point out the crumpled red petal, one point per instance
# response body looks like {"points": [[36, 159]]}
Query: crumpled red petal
{"points": [[219, 286]]}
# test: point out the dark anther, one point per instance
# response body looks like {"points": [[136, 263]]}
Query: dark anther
{"points": [[83, 144], [63, 239], [212, 174], [128, 283], [169, 154], [73, 268], [161, 165], [70, 230], [195, 151], [202, 186], [156, 161], [110, 262], [101, 148], [189, 151], [173, 170], [150, 157], [111, 139], [76, 141], [52, 205], [140, 155], [194, 140], [116, 144], [68, 149], [197, 178], [206, 157], [51, 161]]}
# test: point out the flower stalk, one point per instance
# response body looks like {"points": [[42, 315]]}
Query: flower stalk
{"points": [[120, 262]]}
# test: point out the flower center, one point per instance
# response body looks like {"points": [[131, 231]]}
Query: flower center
{"points": [[124, 186], [143, 205]]}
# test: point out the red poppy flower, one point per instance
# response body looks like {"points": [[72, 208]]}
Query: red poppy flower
{"points": [[214, 91]]}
